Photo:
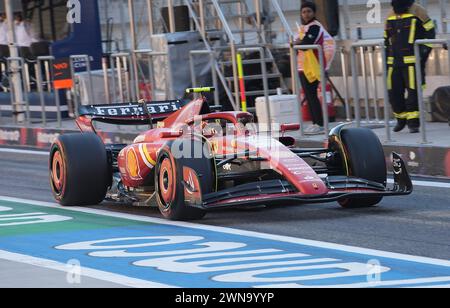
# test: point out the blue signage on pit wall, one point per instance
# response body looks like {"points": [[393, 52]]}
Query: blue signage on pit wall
{"points": [[85, 38]]}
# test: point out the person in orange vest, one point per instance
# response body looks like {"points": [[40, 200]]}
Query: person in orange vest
{"points": [[312, 32], [407, 23]]}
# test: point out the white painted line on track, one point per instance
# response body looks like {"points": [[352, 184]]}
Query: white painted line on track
{"points": [[17, 151], [280, 238], [86, 272]]}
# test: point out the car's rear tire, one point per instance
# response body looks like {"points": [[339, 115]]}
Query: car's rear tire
{"points": [[365, 158], [169, 180], [79, 171]]}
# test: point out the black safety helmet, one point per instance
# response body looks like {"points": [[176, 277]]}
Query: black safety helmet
{"points": [[401, 6]]}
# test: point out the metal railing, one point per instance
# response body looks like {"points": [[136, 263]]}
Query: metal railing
{"points": [[18, 65], [87, 60], [373, 83], [106, 80], [44, 82], [120, 66], [212, 61], [232, 43], [368, 48], [138, 68], [40, 83], [291, 36], [444, 19], [202, 11], [171, 16], [261, 52], [344, 54], [41, 78], [356, 96], [120, 63], [234, 100], [170, 94], [419, 79]]}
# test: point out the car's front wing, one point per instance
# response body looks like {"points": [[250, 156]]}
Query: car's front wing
{"points": [[340, 188]]}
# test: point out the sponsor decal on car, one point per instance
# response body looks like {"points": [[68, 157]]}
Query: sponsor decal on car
{"points": [[131, 110]]}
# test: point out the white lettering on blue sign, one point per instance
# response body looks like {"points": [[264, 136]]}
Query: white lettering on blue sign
{"points": [[226, 261], [7, 220]]}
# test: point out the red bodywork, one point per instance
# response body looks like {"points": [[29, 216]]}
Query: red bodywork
{"points": [[137, 160], [147, 145]]}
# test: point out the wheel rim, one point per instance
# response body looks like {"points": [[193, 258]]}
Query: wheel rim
{"points": [[58, 173], [166, 182]]}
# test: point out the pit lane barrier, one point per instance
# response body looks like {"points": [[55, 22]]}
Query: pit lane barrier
{"points": [[419, 79], [47, 61], [16, 65], [75, 90], [372, 45], [41, 77], [24, 68], [128, 77]]}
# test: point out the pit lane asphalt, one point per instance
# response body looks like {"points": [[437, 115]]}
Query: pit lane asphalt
{"points": [[416, 225]]}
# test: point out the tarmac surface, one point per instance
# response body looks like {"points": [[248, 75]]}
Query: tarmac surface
{"points": [[417, 225], [19, 275]]}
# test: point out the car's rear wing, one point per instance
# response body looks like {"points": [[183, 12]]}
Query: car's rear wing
{"points": [[131, 113], [127, 114]]}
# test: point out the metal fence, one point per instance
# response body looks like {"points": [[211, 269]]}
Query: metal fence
{"points": [[121, 76], [419, 79], [363, 54], [356, 95]]}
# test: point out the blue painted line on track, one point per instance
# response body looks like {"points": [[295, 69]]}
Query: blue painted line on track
{"points": [[308, 269]]}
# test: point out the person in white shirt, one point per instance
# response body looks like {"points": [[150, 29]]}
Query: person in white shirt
{"points": [[4, 48], [3, 30], [24, 32]]}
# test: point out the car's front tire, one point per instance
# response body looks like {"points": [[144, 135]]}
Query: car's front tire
{"points": [[169, 185], [79, 171], [363, 157]]}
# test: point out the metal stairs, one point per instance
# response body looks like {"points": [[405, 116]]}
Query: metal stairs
{"points": [[227, 28]]}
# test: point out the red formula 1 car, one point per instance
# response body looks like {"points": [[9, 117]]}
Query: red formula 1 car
{"points": [[195, 158]]}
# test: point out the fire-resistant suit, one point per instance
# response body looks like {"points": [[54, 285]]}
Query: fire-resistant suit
{"points": [[407, 23]]}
